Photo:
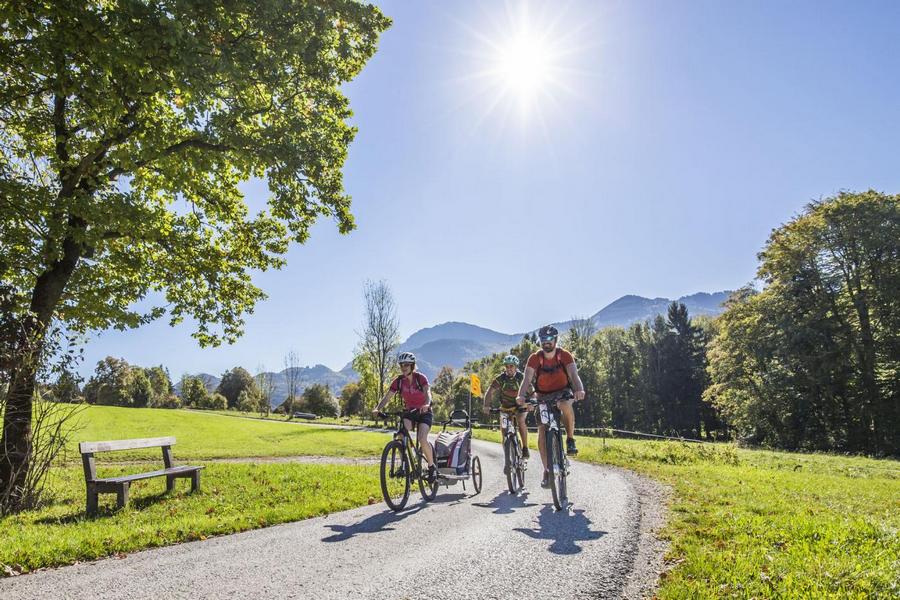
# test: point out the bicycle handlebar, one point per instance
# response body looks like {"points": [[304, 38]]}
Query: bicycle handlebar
{"points": [[388, 415], [552, 398], [517, 409]]}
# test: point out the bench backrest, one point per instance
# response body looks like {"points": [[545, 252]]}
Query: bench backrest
{"points": [[92, 447], [88, 449]]}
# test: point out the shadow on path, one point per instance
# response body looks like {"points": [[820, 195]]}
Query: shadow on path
{"points": [[374, 524], [449, 498], [505, 503], [564, 529]]}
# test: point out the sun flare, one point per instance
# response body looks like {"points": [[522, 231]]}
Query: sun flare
{"points": [[524, 65], [527, 63]]}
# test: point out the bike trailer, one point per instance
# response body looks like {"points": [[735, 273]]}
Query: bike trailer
{"points": [[451, 450]]}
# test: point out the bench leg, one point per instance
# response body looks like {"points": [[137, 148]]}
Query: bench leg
{"points": [[92, 500], [170, 484], [122, 496], [195, 481]]}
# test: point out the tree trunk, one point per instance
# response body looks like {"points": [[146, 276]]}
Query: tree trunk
{"points": [[15, 453], [15, 448]]}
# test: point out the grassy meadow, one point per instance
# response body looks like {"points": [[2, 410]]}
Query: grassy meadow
{"points": [[206, 435], [743, 523], [761, 524], [233, 497]]}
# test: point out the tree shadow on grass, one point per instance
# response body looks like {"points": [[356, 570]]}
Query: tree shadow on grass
{"points": [[564, 529], [505, 503], [374, 524], [108, 508]]}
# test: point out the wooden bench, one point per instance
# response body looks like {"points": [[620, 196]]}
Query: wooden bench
{"points": [[119, 485]]}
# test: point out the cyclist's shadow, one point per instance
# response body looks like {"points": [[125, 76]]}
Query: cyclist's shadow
{"points": [[374, 524], [564, 528], [505, 503]]}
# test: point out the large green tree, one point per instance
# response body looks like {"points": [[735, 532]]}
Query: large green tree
{"points": [[235, 381], [813, 360], [127, 128]]}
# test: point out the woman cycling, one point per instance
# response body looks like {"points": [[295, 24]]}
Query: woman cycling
{"points": [[416, 395]]}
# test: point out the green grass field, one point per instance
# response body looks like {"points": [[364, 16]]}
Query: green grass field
{"points": [[233, 497], [202, 434], [743, 523], [759, 524]]}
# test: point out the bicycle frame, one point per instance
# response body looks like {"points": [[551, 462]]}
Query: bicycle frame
{"points": [[557, 461], [410, 447], [550, 417]]}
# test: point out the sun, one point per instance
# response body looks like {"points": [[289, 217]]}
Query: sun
{"points": [[524, 64]]}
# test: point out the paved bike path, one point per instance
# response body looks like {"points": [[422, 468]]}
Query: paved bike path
{"points": [[492, 545]]}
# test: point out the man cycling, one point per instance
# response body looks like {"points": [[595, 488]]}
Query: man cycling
{"points": [[506, 385], [553, 369], [416, 395]]}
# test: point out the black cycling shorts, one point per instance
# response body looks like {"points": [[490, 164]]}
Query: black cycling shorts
{"points": [[419, 417]]}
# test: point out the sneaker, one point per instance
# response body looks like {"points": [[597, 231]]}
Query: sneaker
{"points": [[525, 454], [545, 482], [570, 447], [432, 474]]}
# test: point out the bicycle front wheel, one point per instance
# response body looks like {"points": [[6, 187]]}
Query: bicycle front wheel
{"points": [[557, 469], [395, 467], [429, 489], [511, 464]]}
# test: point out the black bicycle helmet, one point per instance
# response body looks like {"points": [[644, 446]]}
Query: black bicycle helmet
{"points": [[547, 333]]}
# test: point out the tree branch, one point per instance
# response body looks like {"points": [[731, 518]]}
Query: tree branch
{"points": [[200, 143]]}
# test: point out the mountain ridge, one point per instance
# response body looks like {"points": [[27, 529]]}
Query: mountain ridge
{"points": [[454, 343]]}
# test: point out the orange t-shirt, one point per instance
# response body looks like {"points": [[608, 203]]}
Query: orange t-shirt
{"points": [[551, 372]]}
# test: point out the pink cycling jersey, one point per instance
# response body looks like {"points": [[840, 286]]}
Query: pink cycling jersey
{"points": [[412, 392]]}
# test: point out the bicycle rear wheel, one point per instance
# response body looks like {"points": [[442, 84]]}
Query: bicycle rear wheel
{"points": [[476, 474], [557, 470], [429, 489], [394, 465]]}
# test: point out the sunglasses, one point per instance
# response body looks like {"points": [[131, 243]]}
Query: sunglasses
{"points": [[544, 340]]}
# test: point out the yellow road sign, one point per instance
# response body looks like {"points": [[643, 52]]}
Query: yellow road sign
{"points": [[476, 385]]}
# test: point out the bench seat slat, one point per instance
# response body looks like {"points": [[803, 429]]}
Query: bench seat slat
{"points": [[138, 476], [111, 445]]}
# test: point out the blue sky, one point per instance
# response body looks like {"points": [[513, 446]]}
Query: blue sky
{"points": [[523, 163]]}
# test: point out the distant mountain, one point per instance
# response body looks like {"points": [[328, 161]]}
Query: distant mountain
{"points": [[455, 330], [631, 309], [454, 343], [306, 376]]}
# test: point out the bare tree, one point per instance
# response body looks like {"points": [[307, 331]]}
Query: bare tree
{"points": [[291, 372], [381, 331], [265, 381], [583, 329]]}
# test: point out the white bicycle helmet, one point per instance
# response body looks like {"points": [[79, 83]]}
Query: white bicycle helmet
{"points": [[511, 360], [406, 357]]}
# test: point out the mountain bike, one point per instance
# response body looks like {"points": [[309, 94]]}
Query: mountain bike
{"points": [[558, 463], [514, 463], [402, 459]]}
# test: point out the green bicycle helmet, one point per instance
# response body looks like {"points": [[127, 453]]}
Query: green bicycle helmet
{"points": [[511, 360]]}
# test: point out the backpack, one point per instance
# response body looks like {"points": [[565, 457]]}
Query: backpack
{"points": [[552, 369], [509, 383], [417, 380]]}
